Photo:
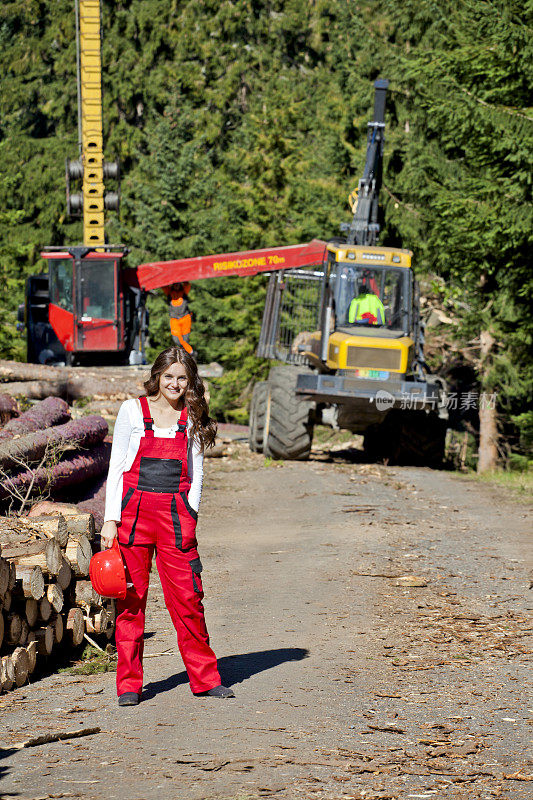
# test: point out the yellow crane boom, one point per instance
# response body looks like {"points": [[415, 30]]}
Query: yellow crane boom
{"points": [[91, 122]]}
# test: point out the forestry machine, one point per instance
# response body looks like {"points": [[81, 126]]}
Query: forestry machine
{"points": [[343, 318], [86, 307]]}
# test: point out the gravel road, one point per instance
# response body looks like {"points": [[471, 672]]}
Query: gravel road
{"points": [[349, 682]]}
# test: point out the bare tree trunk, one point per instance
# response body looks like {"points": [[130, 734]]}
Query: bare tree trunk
{"points": [[488, 421]]}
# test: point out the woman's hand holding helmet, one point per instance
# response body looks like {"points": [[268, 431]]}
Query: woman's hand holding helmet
{"points": [[108, 533]]}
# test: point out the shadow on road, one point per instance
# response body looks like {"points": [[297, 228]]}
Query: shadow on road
{"points": [[5, 752], [233, 669]]}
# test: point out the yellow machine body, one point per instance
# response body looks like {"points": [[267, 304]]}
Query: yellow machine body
{"points": [[367, 354]]}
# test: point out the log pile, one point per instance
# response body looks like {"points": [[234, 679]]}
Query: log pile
{"points": [[43, 451], [47, 602], [9, 408], [37, 381]]}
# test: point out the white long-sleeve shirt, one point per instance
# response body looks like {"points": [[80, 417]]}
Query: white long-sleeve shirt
{"points": [[129, 428]]}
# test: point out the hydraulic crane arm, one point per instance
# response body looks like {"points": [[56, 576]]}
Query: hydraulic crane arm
{"points": [[249, 262], [364, 228]]}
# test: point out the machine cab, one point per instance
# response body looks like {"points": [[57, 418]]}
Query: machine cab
{"points": [[85, 304], [80, 306]]}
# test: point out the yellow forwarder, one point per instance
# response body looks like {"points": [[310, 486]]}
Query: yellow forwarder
{"points": [[350, 335]]}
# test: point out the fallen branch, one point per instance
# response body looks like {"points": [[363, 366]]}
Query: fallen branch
{"points": [[55, 737]]}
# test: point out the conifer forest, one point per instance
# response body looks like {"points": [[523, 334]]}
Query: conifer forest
{"points": [[242, 124]]}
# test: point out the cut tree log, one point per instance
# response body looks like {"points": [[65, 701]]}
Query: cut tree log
{"points": [[78, 553], [54, 527], [21, 665], [97, 621], [49, 412], [9, 408], [31, 611], [6, 603], [45, 640], [31, 649], [45, 609], [20, 371], [2, 627], [24, 632], [7, 673], [75, 626], [58, 627], [64, 576], [78, 434], [54, 593], [111, 611], [38, 390], [31, 580], [74, 470], [85, 595], [13, 628], [43, 553], [46, 507], [12, 576], [81, 523], [4, 576]]}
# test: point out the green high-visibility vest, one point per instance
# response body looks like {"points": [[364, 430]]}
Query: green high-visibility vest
{"points": [[364, 304]]}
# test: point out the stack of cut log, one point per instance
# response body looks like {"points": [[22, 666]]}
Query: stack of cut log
{"points": [[43, 450], [46, 598], [37, 381]]}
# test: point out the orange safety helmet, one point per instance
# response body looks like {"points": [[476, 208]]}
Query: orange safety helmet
{"points": [[107, 573]]}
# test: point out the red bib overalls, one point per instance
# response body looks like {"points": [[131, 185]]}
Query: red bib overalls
{"points": [[156, 514]]}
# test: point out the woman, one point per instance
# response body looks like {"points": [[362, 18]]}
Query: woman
{"points": [[153, 494]]}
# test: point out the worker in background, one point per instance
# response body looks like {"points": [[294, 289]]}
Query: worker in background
{"points": [[180, 315], [367, 307]]}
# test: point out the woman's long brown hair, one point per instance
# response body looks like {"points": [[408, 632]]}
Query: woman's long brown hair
{"points": [[204, 428]]}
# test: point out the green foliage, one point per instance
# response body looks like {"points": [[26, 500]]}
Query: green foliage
{"points": [[243, 124]]}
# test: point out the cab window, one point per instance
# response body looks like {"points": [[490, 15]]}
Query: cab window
{"points": [[60, 271]]}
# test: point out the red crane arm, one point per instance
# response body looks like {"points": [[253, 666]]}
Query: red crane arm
{"points": [[248, 262]]}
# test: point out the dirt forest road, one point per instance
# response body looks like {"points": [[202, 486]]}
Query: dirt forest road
{"points": [[347, 684]]}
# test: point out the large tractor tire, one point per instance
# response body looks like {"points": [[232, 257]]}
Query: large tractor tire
{"points": [[289, 418], [407, 438], [258, 406]]}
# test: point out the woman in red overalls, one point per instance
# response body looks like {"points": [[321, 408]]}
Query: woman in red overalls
{"points": [[147, 506]]}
